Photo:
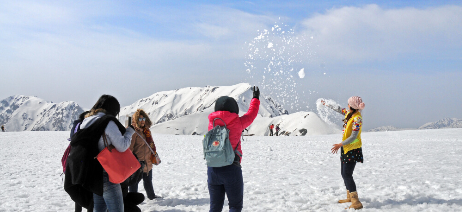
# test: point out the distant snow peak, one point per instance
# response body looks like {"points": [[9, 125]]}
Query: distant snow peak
{"points": [[29, 113], [443, 123], [170, 105]]}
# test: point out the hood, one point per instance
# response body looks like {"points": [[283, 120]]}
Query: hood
{"points": [[90, 120], [226, 103], [226, 116], [137, 114]]}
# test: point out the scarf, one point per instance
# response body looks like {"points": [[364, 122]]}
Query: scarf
{"points": [[149, 139]]}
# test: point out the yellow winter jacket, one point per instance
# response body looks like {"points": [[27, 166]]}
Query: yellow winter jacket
{"points": [[347, 133]]}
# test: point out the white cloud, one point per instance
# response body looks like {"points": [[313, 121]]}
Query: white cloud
{"points": [[223, 23], [29, 13], [352, 34]]}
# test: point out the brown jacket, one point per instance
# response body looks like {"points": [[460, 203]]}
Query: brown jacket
{"points": [[141, 150]]}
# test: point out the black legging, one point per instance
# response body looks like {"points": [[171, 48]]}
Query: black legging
{"points": [[347, 175]]}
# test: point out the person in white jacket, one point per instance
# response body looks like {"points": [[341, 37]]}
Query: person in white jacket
{"points": [[112, 199]]}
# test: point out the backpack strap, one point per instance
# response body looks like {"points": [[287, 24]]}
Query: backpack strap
{"points": [[220, 119], [237, 152], [77, 127]]}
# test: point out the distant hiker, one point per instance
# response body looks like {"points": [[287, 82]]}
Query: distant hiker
{"points": [[350, 147], [271, 127], [3, 128], [85, 179], [277, 130], [142, 123], [228, 179]]}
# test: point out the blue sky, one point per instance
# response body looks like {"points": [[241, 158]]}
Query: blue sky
{"points": [[403, 57]]}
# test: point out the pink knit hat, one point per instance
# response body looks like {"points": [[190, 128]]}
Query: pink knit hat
{"points": [[356, 102]]}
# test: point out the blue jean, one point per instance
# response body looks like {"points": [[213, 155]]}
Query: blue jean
{"points": [[225, 180], [112, 199], [147, 183], [347, 175]]}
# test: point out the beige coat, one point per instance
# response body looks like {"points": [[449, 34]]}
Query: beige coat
{"points": [[141, 150]]}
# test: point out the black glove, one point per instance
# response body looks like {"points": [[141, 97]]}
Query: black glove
{"points": [[256, 92]]}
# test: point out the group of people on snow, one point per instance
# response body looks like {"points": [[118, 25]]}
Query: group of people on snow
{"points": [[271, 127], [89, 186], [86, 181]]}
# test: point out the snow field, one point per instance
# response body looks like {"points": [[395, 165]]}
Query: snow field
{"points": [[415, 170]]}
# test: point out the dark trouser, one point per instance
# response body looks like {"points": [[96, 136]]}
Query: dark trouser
{"points": [[147, 183], [347, 175], [78, 208], [271, 132], [225, 180]]}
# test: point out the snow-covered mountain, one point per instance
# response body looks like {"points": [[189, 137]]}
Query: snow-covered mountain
{"points": [[383, 128], [28, 113], [169, 105], [443, 123], [185, 111]]}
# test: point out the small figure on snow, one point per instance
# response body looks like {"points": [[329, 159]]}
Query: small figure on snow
{"points": [[271, 127], [3, 128], [277, 130], [350, 147]]}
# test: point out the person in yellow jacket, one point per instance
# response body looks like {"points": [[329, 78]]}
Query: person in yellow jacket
{"points": [[350, 147], [139, 147]]}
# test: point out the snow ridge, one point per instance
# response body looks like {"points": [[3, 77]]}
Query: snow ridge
{"points": [[443, 123], [28, 113], [170, 105], [384, 128]]}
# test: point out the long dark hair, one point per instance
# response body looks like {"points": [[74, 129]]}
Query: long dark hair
{"points": [[107, 102], [350, 114]]}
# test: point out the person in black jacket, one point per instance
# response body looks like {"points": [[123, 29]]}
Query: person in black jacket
{"points": [[85, 178], [74, 129]]}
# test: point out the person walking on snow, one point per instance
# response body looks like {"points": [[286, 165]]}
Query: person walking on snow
{"points": [[142, 123], [350, 147], [277, 130], [271, 127], [3, 128], [228, 179]]}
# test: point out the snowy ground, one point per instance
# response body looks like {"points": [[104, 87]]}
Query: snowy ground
{"points": [[416, 170]]}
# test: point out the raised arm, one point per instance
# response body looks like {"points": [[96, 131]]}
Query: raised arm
{"points": [[251, 114], [342, 111]]}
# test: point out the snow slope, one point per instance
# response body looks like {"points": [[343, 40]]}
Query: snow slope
{"points": [[27, 113], [296, 124], [410, 171]]}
